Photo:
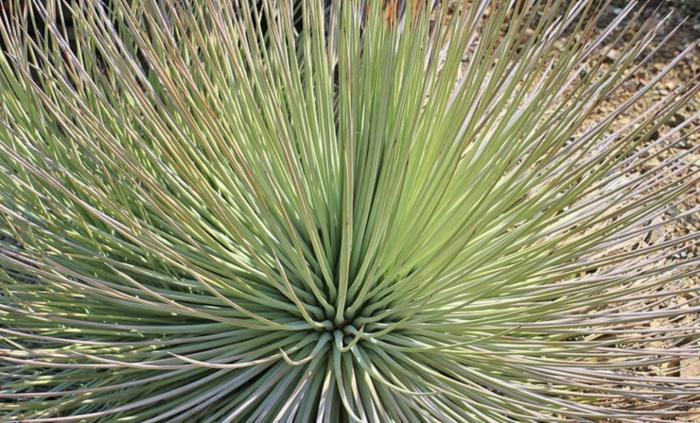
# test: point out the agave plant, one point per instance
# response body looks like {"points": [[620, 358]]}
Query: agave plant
{"points": [[219, 211]]}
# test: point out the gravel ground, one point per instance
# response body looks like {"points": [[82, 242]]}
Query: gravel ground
{"points": [[686, 13]]}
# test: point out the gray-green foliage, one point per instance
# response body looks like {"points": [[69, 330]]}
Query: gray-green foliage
{"points": [[373, 219]]}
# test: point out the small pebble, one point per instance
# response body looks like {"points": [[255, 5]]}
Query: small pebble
{"points": [[655, 234], [673, 211], [680, 255]]}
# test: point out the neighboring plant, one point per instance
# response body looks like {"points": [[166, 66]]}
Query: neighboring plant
{"points": [[232, 211]]}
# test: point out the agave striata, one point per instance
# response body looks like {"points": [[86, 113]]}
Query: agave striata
{"points": [[220, 211]]}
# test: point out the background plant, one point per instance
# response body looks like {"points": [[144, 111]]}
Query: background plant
{"points": [[212, 214]]}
